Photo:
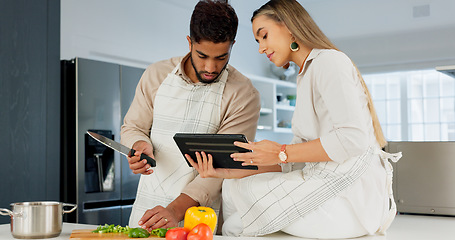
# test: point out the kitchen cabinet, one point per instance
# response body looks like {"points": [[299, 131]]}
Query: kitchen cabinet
{"points": [[275, 116], [29, 101]]}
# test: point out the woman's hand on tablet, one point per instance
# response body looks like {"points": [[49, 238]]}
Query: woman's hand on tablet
{"points": [[204, 165]]}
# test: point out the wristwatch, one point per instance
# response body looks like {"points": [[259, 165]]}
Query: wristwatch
{"points": [[282, 155]]}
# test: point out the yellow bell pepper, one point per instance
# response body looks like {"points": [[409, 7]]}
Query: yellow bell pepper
{"points": [[196, 215]]}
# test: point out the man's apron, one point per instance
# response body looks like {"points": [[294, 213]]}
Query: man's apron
{"points": [[178, 107]]}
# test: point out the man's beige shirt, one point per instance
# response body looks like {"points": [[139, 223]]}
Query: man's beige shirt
{"points": [[240, 107]]}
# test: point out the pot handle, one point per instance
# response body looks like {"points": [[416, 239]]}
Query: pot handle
{"points": [[69, 205], [7, 212]]}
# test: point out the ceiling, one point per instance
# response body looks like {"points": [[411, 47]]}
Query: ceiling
{"points": [[352, 18], [379, 35]]}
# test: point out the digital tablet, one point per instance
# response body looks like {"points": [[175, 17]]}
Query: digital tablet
{"points": [[220, 146]]}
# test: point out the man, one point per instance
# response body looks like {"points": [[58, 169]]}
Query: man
{"points": [[197, 93]]}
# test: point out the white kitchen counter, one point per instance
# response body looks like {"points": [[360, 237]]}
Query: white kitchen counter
{"points": [[403, 228], [5, 231]]}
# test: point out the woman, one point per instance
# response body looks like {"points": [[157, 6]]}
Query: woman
{"points": [[333, 180]]}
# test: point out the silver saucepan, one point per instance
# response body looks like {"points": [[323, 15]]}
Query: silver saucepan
{"points": [[37, 219]]}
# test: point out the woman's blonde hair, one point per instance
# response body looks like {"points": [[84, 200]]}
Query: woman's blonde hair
{"points": [[306, 31]]}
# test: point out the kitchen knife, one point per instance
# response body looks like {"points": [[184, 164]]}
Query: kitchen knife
{"points": [[119, 147]]}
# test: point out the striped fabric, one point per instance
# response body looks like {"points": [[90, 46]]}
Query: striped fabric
{"points": [[179, 107], [272, 201]]}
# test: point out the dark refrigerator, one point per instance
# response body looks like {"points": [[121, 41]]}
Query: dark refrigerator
{"points": [[96, 96]]}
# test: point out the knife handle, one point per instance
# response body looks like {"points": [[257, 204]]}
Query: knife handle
{"points": [[150, 160]]}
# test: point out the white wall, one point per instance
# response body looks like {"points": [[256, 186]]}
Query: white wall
{"points": [[139, 32], [130, 32], [379, 35]]}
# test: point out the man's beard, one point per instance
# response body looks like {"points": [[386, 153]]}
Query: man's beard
{"points": [[198, 74]]}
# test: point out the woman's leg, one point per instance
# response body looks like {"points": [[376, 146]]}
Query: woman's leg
{"points": [[355, 212], [335, 219], [232, 225]]}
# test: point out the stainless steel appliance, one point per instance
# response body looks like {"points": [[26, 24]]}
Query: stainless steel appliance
{"points": [[424, 177], [95, 96]]}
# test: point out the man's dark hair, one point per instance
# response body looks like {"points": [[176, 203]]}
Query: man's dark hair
{"points": [[213, 20]]}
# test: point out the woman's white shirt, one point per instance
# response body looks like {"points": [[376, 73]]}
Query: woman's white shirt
{"points": [[332, 106]]}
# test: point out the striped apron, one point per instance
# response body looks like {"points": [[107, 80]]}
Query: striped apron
{"points": [[271, 201], [179, 107]]}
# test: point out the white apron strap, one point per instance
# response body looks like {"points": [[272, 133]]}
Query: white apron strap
{"points": [[394, 157]]}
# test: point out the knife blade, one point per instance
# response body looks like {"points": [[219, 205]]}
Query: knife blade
{"points": [[119, 147]]}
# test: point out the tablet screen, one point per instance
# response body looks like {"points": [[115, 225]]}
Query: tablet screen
{"points": [[220, 146]]}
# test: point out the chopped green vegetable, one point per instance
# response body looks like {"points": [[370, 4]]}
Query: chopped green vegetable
{"points": [[111, 229], [132, 232], [138, 233], [160, 232]]}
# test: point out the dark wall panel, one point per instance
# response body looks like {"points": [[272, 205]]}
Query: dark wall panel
{"points": [[29, 101], [53, 101]]}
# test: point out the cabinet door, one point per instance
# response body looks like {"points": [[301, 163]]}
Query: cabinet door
{"points": [[101, 216], [29, 102], [98, 107], [126, 212]]}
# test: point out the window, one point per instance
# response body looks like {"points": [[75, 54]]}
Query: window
{"points": [[415, 105]]}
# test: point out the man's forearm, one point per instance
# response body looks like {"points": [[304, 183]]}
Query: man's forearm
{"points": [[179, 206]]}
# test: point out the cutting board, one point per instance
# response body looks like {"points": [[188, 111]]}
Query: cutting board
{"points": [[86, 234]]}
